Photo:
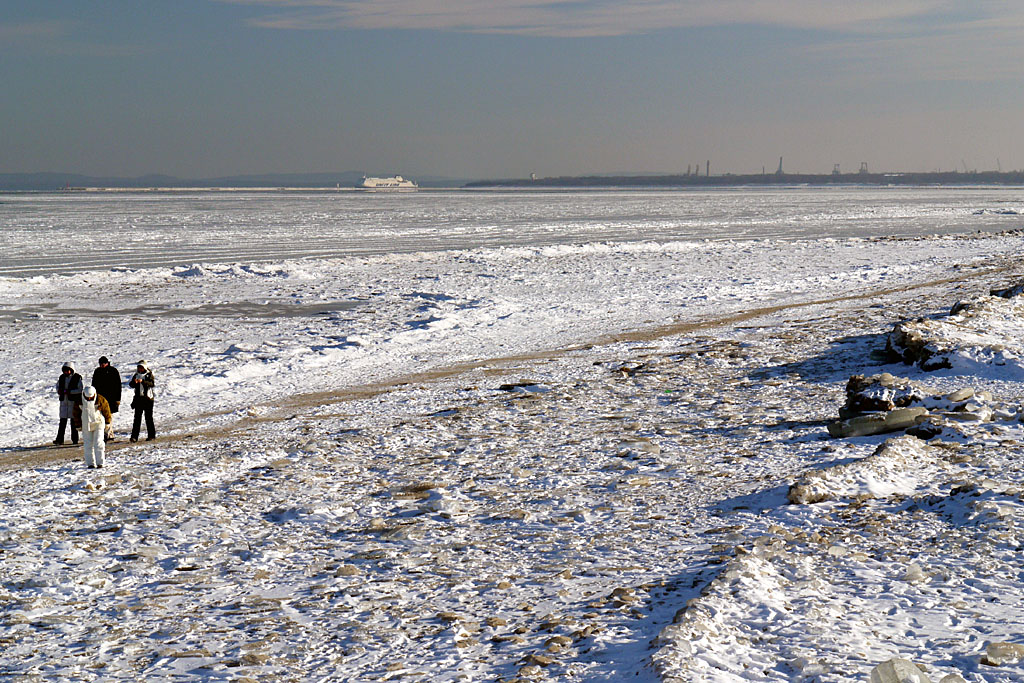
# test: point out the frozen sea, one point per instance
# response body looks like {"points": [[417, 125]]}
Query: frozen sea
{"points": [[45, 234], [239, 296], [455, 435]]}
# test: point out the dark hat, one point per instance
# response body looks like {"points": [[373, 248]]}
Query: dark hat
{"points": [[103, 359]]}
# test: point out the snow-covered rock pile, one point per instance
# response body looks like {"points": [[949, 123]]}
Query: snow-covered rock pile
{"points": [[883, 403], [881, 392], [769, 575], [977, 335], [896, 466], [964, 414]]}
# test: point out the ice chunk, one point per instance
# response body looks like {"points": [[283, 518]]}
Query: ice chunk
{"points": [[898, 670]]}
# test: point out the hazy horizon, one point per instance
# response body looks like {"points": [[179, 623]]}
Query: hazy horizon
{"points": [[331, 177], [506, 88]]}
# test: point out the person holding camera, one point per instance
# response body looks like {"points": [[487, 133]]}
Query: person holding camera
{"points": [[145, 393]]}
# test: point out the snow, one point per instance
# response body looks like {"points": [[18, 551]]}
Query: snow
{"points": [[509, 445]]}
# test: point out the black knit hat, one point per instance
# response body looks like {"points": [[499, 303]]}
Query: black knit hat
{"points": [[103, 359]]}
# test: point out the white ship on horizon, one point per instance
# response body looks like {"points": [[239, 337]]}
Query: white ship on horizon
{"points": [[395, 182]]}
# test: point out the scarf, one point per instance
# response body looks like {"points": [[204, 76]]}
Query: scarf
{"points": [[92, 418]]}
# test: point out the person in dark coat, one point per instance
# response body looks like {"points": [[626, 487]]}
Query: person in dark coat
{"points": [[144, 386], [69, 390], [107, 381]]}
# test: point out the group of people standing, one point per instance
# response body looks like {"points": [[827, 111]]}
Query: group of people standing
{"points": [[91, 408]]}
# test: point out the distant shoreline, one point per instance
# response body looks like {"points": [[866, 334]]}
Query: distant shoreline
{"points": [[342, 182], [553, 185], [951, 178]]}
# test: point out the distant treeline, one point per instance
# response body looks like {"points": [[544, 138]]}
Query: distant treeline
{"points": [[934, 178]]}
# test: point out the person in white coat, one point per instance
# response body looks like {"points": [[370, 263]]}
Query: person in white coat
{"points": [[95, 417]]}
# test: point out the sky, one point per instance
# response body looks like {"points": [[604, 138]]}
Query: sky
{"points": [[503, 88]]}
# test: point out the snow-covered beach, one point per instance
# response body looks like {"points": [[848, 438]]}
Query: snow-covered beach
{"points": [[512, 448]]}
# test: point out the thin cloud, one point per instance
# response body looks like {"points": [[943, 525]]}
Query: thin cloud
{"points": [[984, 49], [62, 38], [576, 18]]}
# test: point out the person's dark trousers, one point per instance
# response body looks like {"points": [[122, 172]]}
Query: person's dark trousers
{"points": [[63, 426], [137, 424]]}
